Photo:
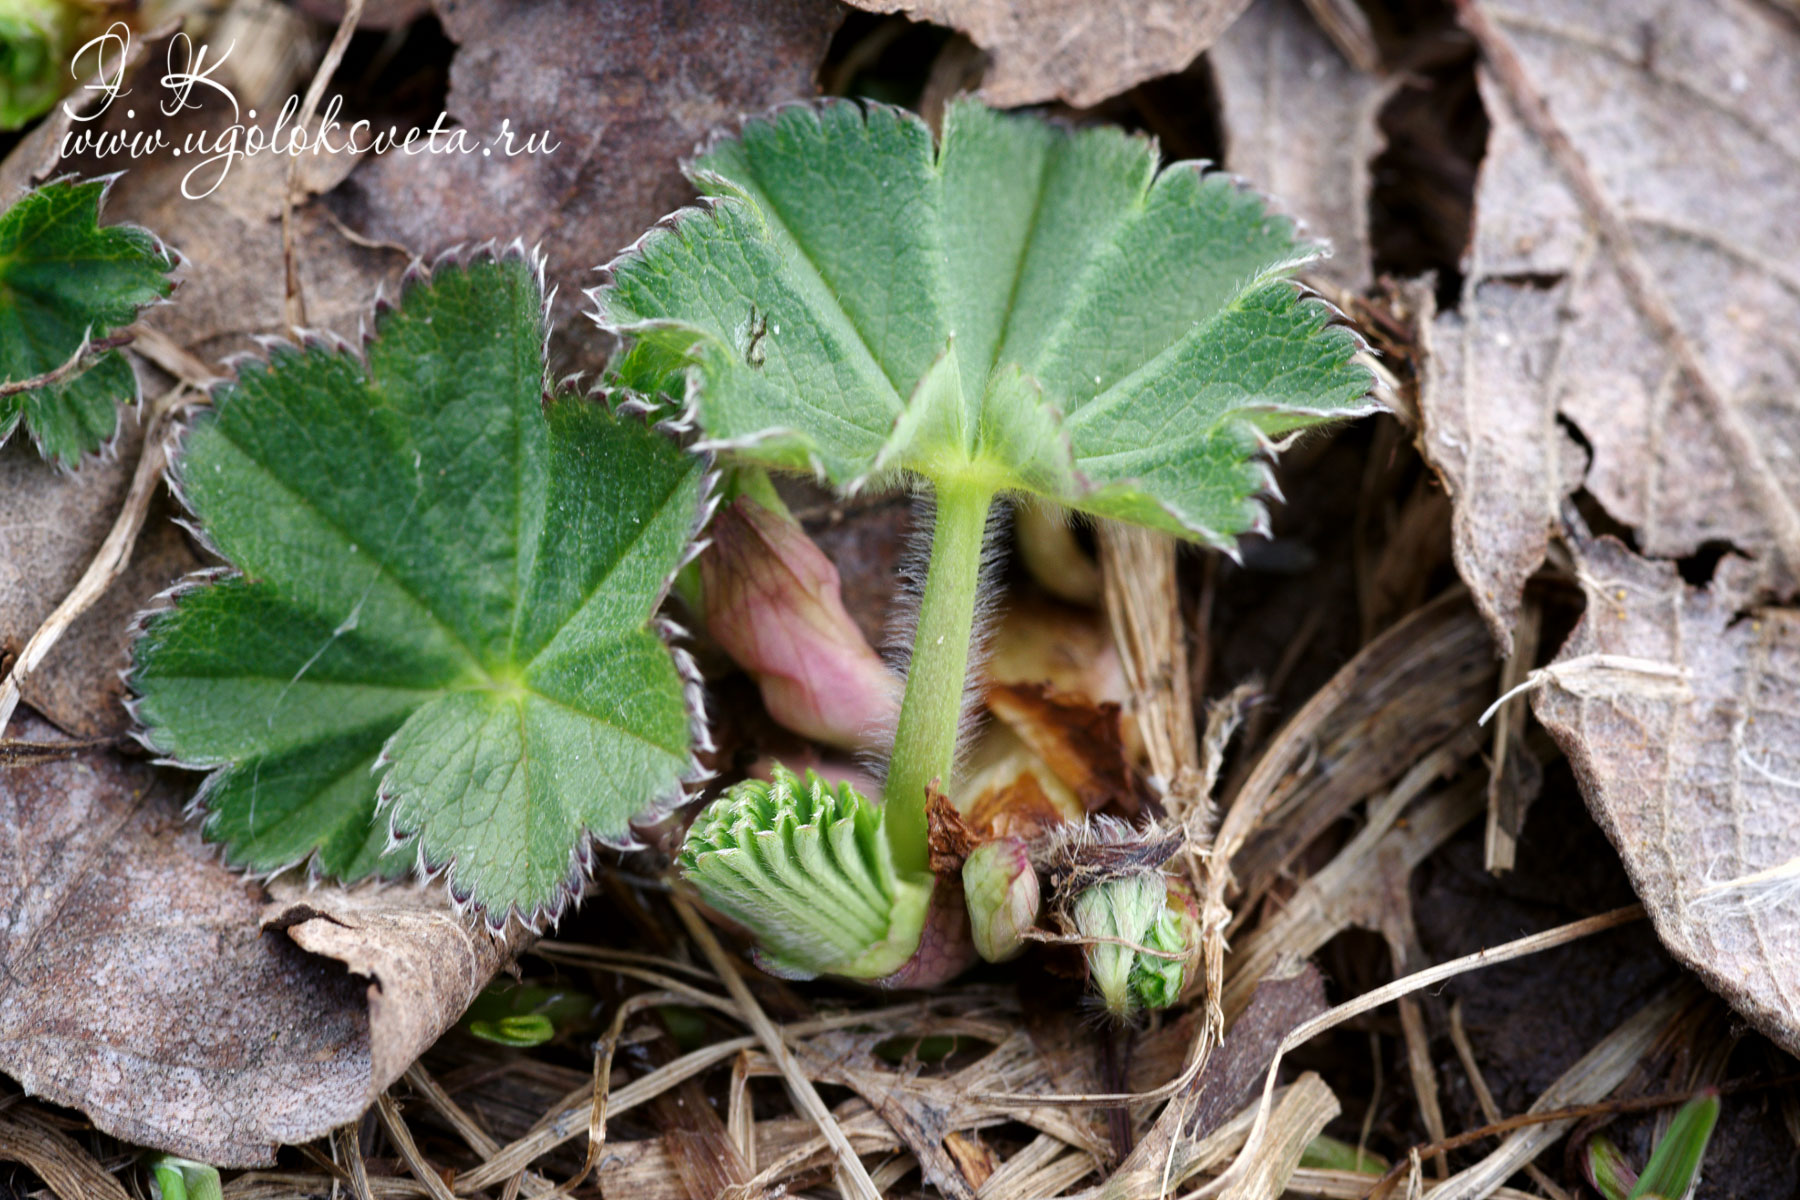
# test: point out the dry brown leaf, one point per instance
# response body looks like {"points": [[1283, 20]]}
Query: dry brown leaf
{"points": [[1082, 741], [1688, 752], [1081, 51], [626, 88], [1299, 122], [1633, 272], [54, 523], [136, 985]]}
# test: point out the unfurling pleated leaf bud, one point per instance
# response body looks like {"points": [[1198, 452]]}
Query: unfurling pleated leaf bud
{"points": [[772, 600], [1141, 930], [1000, 887], [804, 866]]}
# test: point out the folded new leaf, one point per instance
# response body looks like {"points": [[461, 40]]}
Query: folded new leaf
{"points": [[65, 277], [442, 616], [1019, 308]]}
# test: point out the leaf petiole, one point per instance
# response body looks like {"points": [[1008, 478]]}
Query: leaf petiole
{"points": [[931, 711]]}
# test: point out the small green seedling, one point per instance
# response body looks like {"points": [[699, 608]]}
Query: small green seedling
{"points": [[1333, 1154], [438, 645], [1018, 310], [1674, 1163], [184, 1179], [66, 283], [524, 1014]]}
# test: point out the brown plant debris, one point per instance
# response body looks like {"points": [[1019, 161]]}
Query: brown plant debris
{"points": [[1081, 51], [139, 988], [55, 522], [1682, 721], [1640, 287], [625, 89], [1300, 121]]}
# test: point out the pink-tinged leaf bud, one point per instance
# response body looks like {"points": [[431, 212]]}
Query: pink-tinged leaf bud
{"points": [[1001, 889], [772, 601], [1607, 1169]]}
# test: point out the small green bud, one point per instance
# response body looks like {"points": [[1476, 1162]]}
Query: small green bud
{"points": [[1001, 890], [1146, 910]]}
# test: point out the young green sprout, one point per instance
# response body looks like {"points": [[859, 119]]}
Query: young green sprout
{"points": [[184, 1179], [1016, 310], [1674, 1163]]}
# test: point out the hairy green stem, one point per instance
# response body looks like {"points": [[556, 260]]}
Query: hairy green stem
{"points": [[931, 712]]}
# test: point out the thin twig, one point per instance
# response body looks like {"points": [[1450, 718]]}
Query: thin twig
{"points": [[1485, 1098], [76, 361], [295, 303], [109, 562], [853, 1177], [1575, 1112], [16, 752]]}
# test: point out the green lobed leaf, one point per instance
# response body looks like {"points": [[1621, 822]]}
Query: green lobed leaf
{"points": [[64, 277], [448, 578], [1023, 306]]}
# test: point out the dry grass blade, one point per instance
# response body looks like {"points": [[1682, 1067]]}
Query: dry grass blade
{"points": [[1299, 1118], [346, 1145], [1535, 943], [1506, 804], [569, 1117], [477, 1138], [1412, 689], [853, 1176], [397, 1129], [1351, 889], [1402, 937], [114, 554], [1144, 607], [52, 1155], [1348, 1185]]}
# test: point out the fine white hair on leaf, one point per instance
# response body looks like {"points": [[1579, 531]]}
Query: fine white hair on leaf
{"points": [[1771, 887]]}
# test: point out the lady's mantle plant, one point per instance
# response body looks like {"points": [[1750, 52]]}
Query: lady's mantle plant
{"points": [[1018, 310], [440, 614], [66, 281]]}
